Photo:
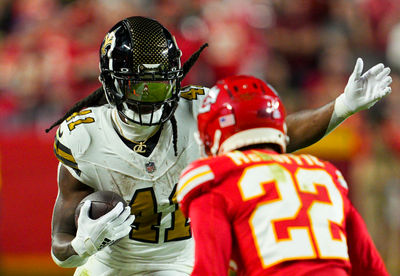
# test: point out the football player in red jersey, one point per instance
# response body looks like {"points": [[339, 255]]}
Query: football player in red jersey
{"points": [[269, 212], [134, 136]]}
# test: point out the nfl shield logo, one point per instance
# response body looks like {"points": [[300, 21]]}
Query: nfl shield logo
{"points": [[150, 167]]}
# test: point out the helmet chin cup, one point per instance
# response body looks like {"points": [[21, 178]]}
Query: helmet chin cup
{"points": [[147, 114]]}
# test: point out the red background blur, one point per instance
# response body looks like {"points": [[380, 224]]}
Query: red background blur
{"points": [[28, 191], [306, 49]]}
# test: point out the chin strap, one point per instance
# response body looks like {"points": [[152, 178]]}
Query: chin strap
{"points": [[217, 137]]}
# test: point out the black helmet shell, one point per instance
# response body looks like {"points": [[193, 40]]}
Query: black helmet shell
{"points": [[136, 41], [140, 49]]}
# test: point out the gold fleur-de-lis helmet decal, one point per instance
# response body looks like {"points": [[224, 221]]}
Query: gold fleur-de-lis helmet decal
{"points": [[109, 40]]}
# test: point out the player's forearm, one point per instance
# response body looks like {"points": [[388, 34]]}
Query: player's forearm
{"points": [[63, 253], [361, 92], [308, 126], [61, 246]]}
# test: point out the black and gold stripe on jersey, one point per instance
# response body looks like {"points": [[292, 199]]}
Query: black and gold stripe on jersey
{"points": [[190, 92], [64, 154]]}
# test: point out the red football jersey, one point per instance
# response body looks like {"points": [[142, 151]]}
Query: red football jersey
{"points": [[274, 214]]}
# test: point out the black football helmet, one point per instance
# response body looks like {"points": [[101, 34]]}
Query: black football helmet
{"points": [[140, 70]]}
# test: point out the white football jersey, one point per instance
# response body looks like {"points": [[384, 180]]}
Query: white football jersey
{"points": [[91, 149]]}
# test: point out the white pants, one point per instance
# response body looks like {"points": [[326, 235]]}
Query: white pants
{"points": [[95, 268]]}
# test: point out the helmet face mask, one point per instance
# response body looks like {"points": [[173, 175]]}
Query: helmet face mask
{"points": [[150, 113], [141, 70]]}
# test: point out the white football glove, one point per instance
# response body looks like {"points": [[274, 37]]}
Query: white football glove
{"points": [[94, 235], [363, 91]]}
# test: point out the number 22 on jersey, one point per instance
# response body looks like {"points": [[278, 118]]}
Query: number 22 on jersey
{"points": [[304, 242]]}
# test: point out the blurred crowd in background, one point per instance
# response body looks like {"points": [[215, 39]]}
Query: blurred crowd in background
{"points": [[305, 48]]}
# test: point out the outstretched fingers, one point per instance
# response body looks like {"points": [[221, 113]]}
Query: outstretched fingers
{"points": [[386, 81], [385, 91], [374, 71], [381, 75], [358, 68]]}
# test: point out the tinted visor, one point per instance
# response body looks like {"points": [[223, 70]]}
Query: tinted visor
{"points": [[147, 102], [146, 91]]}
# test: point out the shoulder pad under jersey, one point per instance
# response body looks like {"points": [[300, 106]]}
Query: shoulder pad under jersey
{"points": [[73, 137], [192, 183], [200, 177], [336, 174]]}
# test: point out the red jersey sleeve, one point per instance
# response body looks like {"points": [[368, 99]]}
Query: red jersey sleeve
{"points": [[212, 232], [199, 177], [193, 181], [364, 257]]}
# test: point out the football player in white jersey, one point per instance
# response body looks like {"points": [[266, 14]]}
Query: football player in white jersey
{"points": [[132, 137]]}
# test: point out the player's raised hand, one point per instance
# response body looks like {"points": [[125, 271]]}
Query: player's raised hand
{"points": [[364, 90], [93, 235]]}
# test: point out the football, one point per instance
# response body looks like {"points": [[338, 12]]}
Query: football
{"points": [[102, 203]]}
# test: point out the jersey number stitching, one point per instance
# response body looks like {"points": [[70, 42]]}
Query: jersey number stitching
{"points": [[192, 92], [146, 227], [87, 120], [303, 242]]}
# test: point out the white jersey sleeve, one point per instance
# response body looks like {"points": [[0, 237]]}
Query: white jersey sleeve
{"points": [[72, 140], [194, 94]]}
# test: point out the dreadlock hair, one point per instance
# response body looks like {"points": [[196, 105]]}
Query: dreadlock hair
{"points": [[192, 60], [185, 68], [98, 98], [174, 134]]}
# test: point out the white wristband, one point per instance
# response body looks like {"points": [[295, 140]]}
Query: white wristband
{"points": [[340, 113], [90, 246], [83, 247], [341, 107]]}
